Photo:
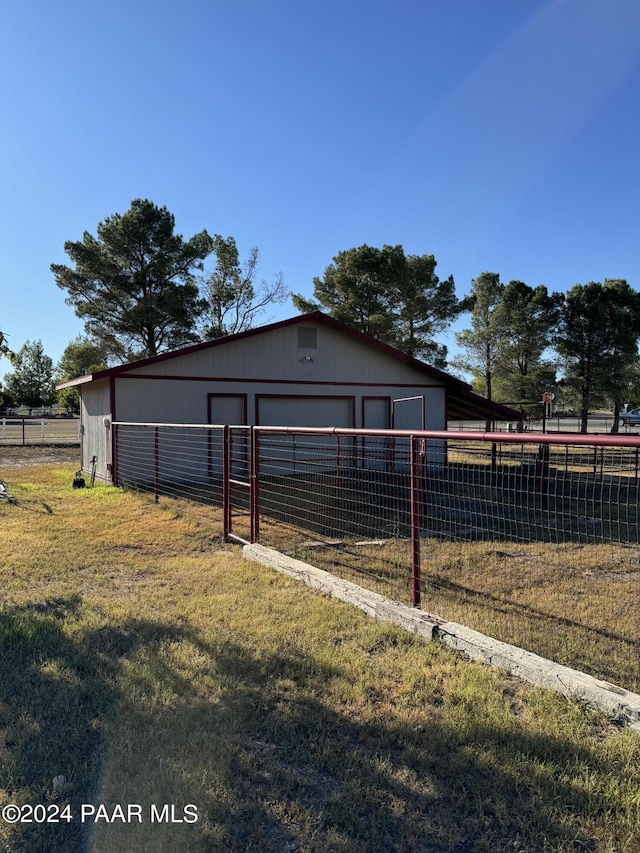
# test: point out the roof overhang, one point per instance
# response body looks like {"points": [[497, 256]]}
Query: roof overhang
{"points": [[80, 380], [464, 404]]}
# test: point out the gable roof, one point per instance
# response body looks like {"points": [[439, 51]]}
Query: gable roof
{"points": [[462, 402]]}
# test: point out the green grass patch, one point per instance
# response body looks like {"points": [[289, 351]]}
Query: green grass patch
{"points": [[146, 663]]}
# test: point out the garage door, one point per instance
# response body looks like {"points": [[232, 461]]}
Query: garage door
{"points": [[294, 455], [305, 411]]}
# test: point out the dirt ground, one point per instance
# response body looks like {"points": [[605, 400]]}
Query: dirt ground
{"points": [[17, 456]]}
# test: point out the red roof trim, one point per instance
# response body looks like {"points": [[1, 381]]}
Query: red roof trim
{"points": [[173, 377]]}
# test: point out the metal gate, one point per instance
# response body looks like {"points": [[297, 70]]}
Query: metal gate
{"points": [[408, 413], [240, 484]]}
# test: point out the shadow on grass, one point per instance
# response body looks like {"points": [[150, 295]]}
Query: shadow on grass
{"points": [[295, 774], [283, 769], [58, 697]]}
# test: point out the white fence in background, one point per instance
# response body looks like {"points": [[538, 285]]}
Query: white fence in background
{"points": [[22, 431]]}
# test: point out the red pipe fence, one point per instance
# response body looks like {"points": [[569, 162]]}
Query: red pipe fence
{"points": [[482, 527], [501, 486]]}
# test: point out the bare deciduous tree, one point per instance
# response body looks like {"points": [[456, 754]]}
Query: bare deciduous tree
{"points": [[234, 299]]}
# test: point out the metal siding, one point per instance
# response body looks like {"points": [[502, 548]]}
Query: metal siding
{"points": [[426, 411], [376, 451], [375, 412], [435, 408], [227, 409], [286, 456], [306, 411], [276, 355], [95, 406], [169, 401], [408, 412], [162, 401], [435, 417]]}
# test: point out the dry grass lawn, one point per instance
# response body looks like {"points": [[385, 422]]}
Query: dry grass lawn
{"points": [[576, 604], [146, 663]]}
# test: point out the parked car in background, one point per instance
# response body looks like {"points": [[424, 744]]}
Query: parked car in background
{"points": [[630, 418]]}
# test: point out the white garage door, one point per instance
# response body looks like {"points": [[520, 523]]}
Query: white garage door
{"points": [[295, 455], [306, 411]]}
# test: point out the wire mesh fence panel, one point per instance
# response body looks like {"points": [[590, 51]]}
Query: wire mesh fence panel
{"points": [[240, 484], [337, 502], [179, 462], [536, 544], [531, 540]]}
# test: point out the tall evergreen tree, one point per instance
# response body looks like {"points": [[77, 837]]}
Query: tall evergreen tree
{"points": [[621, 357], [527, 318], [394, 297], [482, 345], [134, 284], [597, 341], [426, 306], [354, 290]]}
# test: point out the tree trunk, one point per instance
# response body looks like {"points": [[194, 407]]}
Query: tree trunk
{"points": [[584, 418], [617, 405], [488, 377]]}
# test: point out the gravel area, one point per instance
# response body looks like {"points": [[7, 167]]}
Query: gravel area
{"points": [[18, 456]]}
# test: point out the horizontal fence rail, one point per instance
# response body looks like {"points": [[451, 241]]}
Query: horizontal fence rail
{"points": [[530, 538], [29, 430]]}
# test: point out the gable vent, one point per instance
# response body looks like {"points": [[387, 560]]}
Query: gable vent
{"points": [[307, 337]]}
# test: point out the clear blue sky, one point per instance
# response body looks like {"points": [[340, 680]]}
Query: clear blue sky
{"points": [[499, 135]]}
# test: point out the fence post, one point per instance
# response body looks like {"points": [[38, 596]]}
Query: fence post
{"points": [[494, 465], [542, 473], [23, 429], [254, 503], [414, 490], [112, 448], [226, 485], [156, 463]]}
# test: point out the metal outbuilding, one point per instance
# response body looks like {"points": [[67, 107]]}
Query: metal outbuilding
{"points": [[310, 370]]}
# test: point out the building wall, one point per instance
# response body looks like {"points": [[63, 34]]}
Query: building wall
{"points": [[284, 354], [304, 372], [164, 400], [95, 406], [294, 362]]}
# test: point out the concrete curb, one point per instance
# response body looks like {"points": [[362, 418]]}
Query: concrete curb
{"points": [[621, 704]]}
